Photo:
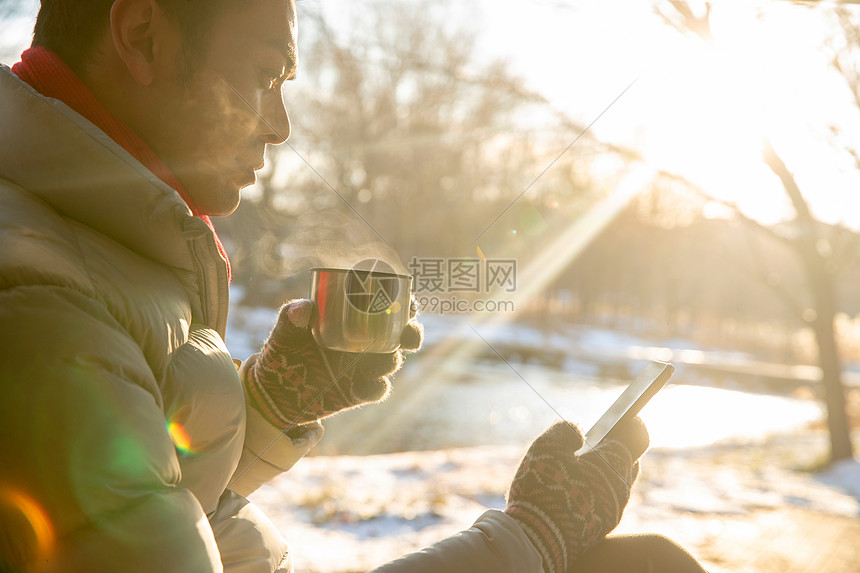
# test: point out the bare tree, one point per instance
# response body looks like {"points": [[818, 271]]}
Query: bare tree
{"points": [[813, 248]]}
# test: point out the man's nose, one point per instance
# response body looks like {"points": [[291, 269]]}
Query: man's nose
{"points": [[277, 120]]}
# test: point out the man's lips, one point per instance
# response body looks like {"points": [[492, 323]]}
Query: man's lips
{"points": [[250, 166], [246, 173], [253, 164]]}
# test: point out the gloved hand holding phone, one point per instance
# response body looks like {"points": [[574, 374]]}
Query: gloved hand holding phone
{"points": [[567, 503]]}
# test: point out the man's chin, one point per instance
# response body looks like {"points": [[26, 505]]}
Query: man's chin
{"points": [[218, 203], [225, 209], [214, 193]]}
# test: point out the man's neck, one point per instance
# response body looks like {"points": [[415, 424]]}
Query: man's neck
{"points": [[50, 76], [46, 72]]}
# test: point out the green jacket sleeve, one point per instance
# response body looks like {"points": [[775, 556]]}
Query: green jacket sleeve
{"points": [[88, 472], [494, 543]]}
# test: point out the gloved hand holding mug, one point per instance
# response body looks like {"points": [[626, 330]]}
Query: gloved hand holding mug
{"points": [[294, 381], [566, 503]]}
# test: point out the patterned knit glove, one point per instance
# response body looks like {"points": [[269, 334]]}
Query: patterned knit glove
{"points": [[294, 381], [566, 504]]}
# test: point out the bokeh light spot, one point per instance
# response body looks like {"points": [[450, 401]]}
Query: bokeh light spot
{"points": [[26, 527]]}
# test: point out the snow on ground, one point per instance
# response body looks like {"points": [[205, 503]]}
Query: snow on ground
{"points": [[720, 459], [351, 513]]}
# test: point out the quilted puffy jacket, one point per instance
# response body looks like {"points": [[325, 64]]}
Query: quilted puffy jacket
{"points": [[122, 416]]}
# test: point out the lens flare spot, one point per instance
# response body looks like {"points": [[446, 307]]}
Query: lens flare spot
{"points": [[128, 456], [395, 307], [180, 437], [532, 222], [28, 524]]}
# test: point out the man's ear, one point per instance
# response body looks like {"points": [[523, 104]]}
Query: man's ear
{"points": [[142, 35]]}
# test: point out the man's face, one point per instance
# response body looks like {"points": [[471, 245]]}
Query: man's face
{"points": [[212, 131]]}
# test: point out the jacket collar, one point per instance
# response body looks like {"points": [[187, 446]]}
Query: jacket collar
{"points": [[66, 161], [50, 76], [72, 165]]}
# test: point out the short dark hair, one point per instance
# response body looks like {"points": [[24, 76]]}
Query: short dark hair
{"points": [[71, 28]]}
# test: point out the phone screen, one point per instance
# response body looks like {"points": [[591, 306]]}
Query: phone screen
{"points": [[629, 403]]}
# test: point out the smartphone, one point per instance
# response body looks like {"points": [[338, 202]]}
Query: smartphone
{"points": [[629, 403]]}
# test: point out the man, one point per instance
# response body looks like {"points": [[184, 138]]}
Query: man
{"points": [[129, 437]]}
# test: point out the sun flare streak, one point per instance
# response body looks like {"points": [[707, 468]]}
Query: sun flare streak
{"points": [[452, 356], [41, 531]]}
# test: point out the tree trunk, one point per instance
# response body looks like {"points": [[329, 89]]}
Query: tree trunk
{"points": [[820, 277], [815, 265], [822, 288]]}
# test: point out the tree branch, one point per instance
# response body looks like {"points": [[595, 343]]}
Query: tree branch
{"points": [[687, 21], [728, 204], [774, 161], [750, 224]]}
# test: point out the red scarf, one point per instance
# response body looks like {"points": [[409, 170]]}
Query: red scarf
{"points": [[51, 77]]}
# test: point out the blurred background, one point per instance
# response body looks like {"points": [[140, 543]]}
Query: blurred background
{"points": [[577, 188]]}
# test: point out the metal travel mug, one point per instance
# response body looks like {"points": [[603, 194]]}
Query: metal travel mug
{"points": [[360, 311]]}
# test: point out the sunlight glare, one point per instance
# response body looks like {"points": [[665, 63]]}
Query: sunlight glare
{"points": [[710, 110], [449, 359], [688, 416]]}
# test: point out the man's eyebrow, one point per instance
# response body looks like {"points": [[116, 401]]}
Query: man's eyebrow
{"points": [[288, 50]]}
